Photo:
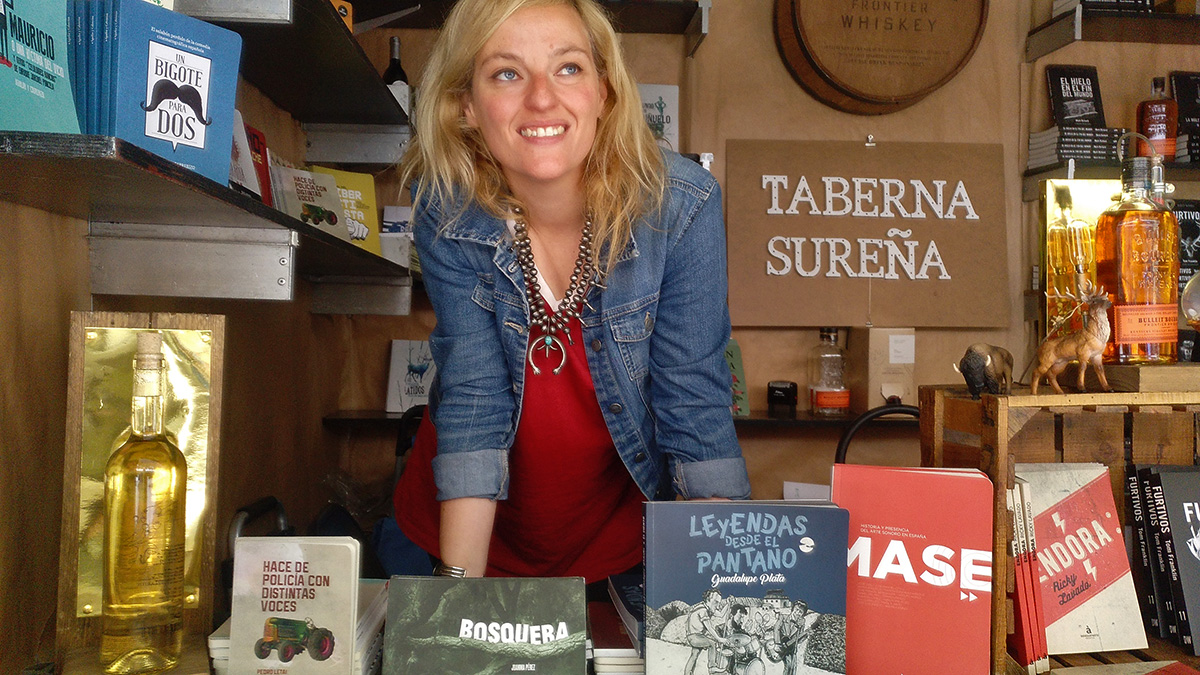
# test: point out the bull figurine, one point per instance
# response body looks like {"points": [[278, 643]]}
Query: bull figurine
{"points": [[986, 368]]}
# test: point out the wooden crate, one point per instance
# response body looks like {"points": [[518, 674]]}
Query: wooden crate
{"points": [[996, 432]]}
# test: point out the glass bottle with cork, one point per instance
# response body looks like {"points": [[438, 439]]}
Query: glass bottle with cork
{"points": [[828, 395], [145, 492], [1070, 262], [1157, 120], [1137, 263]]}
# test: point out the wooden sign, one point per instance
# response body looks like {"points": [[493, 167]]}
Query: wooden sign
{"points": [[875, 56], [835, 233]]}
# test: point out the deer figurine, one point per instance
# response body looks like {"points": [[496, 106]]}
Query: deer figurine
{"points": [[1085, 345]]}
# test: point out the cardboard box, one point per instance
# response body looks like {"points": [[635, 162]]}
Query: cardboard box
{"points": [[879, 363]]}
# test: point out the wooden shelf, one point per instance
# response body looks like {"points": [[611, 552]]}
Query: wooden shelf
{"points": [[1096, 169], [1094, 26], [315, 69], [759, 419], [105, 179], [640, 16]]}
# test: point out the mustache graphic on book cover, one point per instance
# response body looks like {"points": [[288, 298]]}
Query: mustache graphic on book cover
{"points": [[165, 90]]}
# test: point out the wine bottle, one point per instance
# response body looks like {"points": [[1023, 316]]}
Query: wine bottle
{"points": [[396, 79], [1137, 263], [145, 491]]}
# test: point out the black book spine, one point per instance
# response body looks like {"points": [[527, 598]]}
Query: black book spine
{"points": [[1141, 567], [1159, 502], [1162, 584]]}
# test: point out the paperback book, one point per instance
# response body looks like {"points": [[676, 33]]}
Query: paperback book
{"points": [[611, 646], [917, 566], [311, 198], [166, 82], [1088, 599], [295, 605], [485, 626], [1138, 534], [629, 598], [660, 107], [1075, 96], [410, 375], [740, 404], [37, 66], [735, 586], [258, 155], [356, 191], [1175, 496], [1185, 89]]}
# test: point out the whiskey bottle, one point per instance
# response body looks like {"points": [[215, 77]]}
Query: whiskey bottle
{"points": [[145, 489], [1070, 261], [1137, 263], [827, 390], [1158, 119]]}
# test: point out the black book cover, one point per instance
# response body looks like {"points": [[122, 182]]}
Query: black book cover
{"points": [[1135, 518], [1075, 96], [1181, 497], [1187, 213], [1157, 500], [1169, 626], [1185, 89]]}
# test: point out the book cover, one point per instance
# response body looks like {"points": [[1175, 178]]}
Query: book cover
{"points": [[174, 82], [1088, 600], [258, 155], [1075, 96], [311, 198], [295, 605], [741, 400], [1169, 626], [410, 375], [735, 586], [1185, 89], [356, 191], [1037, 618], [1138, 534], [1175, 495], [396, 236], [485, 626], [660, 107], [35, 77], [242, 175], [917, 567], [1022, 645], [1187, 213], [629, 598]]}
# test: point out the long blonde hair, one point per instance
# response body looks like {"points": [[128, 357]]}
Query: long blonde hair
{"points": [[624, 177]]}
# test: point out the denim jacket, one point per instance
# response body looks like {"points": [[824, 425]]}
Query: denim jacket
{"points": [[655, 339]]}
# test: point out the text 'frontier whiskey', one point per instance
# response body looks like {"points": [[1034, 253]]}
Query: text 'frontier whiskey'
{"points": [[145, 489], [1137, 263]]}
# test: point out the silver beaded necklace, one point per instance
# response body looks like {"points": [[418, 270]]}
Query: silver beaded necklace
{"points": [[554, 322]]}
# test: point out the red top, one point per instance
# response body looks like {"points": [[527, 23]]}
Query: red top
{"points": [[572, 507]]}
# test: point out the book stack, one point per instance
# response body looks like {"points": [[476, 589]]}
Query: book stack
{"points": [[611, 648], [1058, 144], [1187, 147], [368, 638], [1167, 549], [158, 79], [1061, 7], [1027, 642], [1088, 600]]}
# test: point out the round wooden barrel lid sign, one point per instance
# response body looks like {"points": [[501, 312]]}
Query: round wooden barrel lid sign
{"points": [[876, 56]]}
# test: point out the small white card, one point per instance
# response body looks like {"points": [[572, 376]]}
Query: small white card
{"points": [[410, 375], [660, 106]]}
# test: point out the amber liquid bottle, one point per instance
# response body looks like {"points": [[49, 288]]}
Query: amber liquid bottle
{"points": [[1070, 261], [1158, 120], [145, 491], [1137, 263]]}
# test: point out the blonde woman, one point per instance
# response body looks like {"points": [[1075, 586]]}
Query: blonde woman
{"points": [[577, 274]]}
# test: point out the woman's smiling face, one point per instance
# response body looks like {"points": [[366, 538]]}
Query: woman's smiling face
{"points": [[537, 96]]}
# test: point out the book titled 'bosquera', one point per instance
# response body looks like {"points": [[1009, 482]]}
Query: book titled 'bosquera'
{"points": [[485, 626], [743, 587]]}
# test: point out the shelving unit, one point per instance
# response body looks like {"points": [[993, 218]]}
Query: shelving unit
{"points": [[675, 17], [760, 419], [1092, 26], [1095, 169], [210, 240]]}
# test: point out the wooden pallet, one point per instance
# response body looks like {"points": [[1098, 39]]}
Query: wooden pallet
{"points": [[996, 432]]}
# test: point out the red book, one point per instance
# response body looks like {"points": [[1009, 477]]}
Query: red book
{"points": [[1022, 641], [258, 153], [919, 565]]}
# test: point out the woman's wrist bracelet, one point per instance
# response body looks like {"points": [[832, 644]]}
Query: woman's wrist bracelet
{"points": [[444, 570]]}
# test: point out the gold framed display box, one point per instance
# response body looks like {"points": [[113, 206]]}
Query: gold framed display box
{"points": [[1069, 210], [102, 345]]}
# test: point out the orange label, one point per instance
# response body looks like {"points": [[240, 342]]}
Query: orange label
{"points": [[1133, 324], [831, 399]]}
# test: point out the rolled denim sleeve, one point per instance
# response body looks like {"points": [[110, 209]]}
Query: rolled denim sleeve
{"points": [[690, 379], [472, 406]]}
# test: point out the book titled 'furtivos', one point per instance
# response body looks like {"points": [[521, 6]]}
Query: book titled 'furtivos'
{"points": [[918, 566], [744, 586], [485, 626]]}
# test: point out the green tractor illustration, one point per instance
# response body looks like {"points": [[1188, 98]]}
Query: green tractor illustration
{"points": [[292, 636], [311, 213]]}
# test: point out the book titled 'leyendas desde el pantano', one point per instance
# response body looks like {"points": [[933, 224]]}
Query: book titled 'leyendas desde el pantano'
{"points": [[485, 626], [745, 587]]}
